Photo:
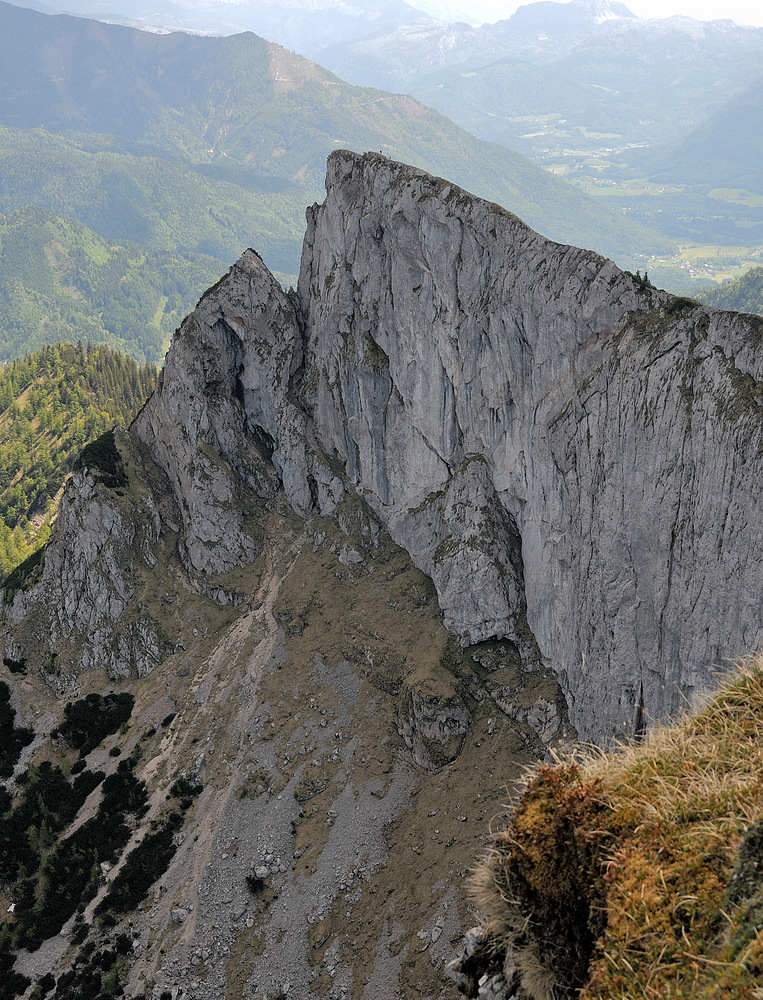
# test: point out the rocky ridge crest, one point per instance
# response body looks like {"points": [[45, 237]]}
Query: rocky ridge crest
{"points": [[368, 549], [569, 453]]}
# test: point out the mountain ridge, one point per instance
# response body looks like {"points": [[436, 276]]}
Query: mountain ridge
{"points": [[372, 545], [253, 115], [394, 474]]}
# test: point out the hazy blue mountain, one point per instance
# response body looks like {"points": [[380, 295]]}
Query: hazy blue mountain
{"points": [[708, 188], [664, 77], [602, 79], [304, 26], [249, 114], [519, 104], [544, 29], [623, 98], [724, 152], [402, 58]]}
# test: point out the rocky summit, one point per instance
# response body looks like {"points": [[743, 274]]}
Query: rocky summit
{"points": [[372, 546]]}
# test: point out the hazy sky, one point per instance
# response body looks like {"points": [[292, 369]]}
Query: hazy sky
{"points": [[743, 11]]}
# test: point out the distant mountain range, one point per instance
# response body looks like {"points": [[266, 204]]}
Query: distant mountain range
{"points": [[551, 79], [106, 125], [256, 116], [109, 126], [304, 26], [585, 88], [557, 75]]}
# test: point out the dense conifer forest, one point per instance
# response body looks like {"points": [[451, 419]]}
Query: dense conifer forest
{"points": [[52, 402], [743, 295]]}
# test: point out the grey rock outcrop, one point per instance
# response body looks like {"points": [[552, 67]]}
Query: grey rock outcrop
{"points": [[77, 615], [466, 970], [617, 427], [433, 727], [570, 454], [221, 418]]}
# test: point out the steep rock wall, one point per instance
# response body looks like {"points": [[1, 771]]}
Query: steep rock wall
{"points": [[82, 612], [569, 453], [218, 414], [618, 431]]}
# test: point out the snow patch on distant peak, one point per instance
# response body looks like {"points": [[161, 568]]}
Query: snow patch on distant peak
{"points": [[442, 10], [605, 10]]}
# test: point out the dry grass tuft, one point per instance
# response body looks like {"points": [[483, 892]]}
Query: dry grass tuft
{"points": [[639, 873]]}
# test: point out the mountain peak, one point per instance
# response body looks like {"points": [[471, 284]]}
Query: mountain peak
{"points": [[475, 356], [603, 10], [561, 25], [574, 14], [374, 543]]}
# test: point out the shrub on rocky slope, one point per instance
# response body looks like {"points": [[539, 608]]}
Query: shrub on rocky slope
{"points": [[638, 873]]}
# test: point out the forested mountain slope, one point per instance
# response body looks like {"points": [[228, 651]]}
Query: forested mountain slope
{"points": [[52, 402], [60, 281], [743, 295], [250, 114]]}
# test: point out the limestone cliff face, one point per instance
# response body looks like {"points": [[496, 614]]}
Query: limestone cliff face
{"points": [[568, 461], [571, 455], [555, 442], [218, 415]]}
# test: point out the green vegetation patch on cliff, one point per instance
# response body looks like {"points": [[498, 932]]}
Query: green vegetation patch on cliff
{"points": [[632, 874], [102, 458], [52, 402], [87, 721], [25, 575]]}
